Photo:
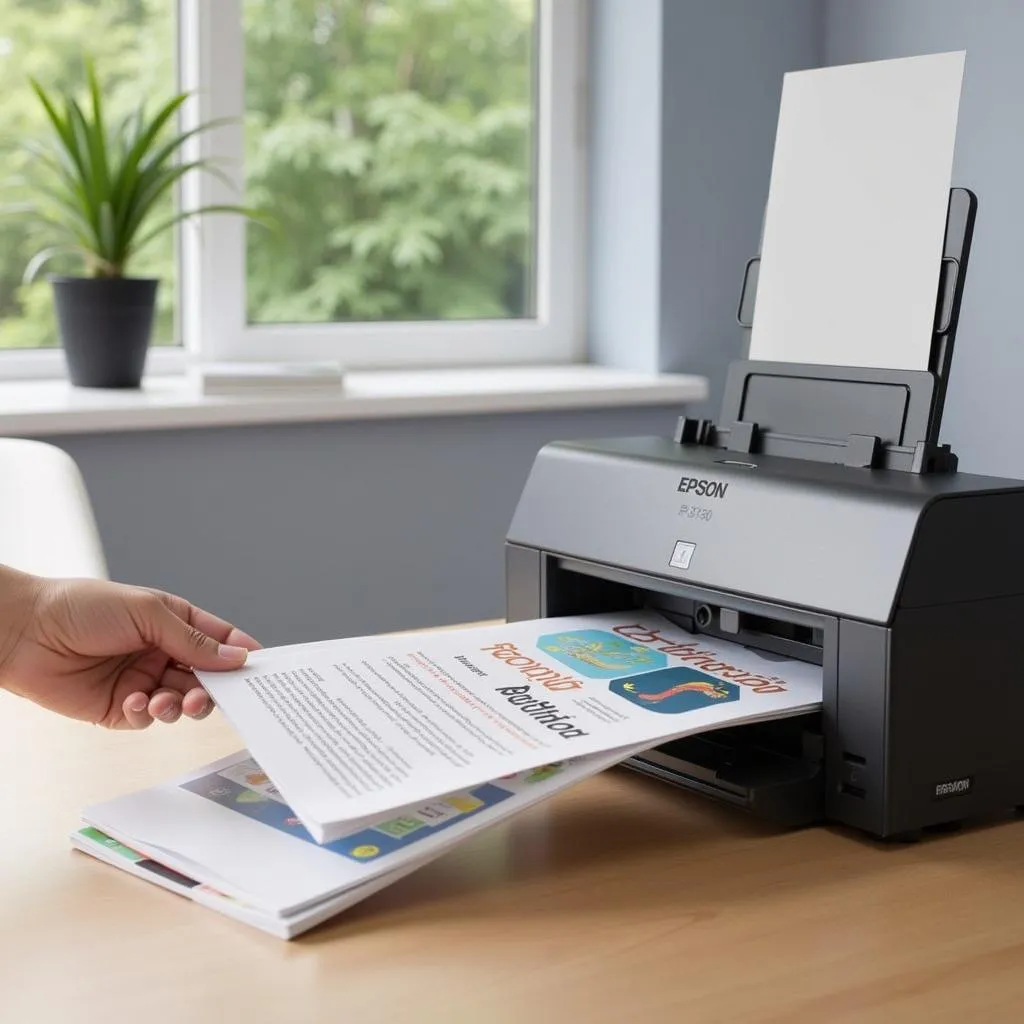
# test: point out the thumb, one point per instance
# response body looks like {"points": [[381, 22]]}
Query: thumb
{"points": [[187, 644]]}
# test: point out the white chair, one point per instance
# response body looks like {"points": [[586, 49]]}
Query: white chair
{"points": [[47, 526]]}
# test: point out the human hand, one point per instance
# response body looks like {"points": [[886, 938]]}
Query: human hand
{"points": [[110, 654]]}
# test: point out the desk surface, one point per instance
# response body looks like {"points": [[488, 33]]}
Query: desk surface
{"points": [[621, 899]]}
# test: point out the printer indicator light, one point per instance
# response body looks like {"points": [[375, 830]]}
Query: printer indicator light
{"points": [[682, 553]]}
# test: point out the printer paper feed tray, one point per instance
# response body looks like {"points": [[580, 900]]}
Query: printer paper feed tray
{"points": [[772, 769]]}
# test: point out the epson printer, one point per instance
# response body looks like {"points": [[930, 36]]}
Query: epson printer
{"points": [[819, 518]]}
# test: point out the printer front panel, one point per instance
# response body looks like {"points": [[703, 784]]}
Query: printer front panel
{"points": [[954, 714], [834, 549]]}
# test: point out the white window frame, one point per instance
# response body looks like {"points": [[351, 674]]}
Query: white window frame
{"points": [[50, 363], [213, 249]]}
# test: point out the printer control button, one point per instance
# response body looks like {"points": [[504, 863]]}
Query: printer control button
{"points": [[682, 554], [729, 620]]}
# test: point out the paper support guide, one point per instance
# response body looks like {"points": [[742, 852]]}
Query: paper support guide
{"points": [[860, 417]]}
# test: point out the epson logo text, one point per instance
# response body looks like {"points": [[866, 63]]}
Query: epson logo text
{"points": [[955, 787], [703, 488]]}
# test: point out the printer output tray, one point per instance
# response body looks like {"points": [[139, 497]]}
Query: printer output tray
{"points": [[772, 769]]}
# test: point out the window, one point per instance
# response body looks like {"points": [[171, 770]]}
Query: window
{"points": [[421, 160], [394, 142], [133, 43]]}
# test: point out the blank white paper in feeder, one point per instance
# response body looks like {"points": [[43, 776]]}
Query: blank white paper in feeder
{"points": [[856, 213]]}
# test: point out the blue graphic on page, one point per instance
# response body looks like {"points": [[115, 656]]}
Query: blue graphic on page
{"points": [[253, 797], [600, 655], [673, 691]]}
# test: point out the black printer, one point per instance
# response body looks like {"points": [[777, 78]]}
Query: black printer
{"points": [[819, 518]]}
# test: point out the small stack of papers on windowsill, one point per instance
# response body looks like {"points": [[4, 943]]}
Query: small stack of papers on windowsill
{"points": [[252, 378], [370, 757]]}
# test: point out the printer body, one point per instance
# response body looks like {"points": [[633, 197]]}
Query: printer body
{"points": [[818, 519]]}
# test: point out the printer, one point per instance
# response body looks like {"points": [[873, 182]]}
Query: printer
{"points": [[819, 518]]}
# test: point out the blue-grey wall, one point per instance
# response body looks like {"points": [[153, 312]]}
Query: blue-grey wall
{"points": [[308, 532], [624, 171], [723, 66], [982, 419], [684, 104]]}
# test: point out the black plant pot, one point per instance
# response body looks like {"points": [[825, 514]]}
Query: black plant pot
{"points": [[105, 326]]}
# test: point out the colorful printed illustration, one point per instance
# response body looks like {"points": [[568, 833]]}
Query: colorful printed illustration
{"points": [[248, 796], [249, 775], [400, 826], [230, 789], [544, 773], [673, 691], [600, 655], [102, 839], [464, 803], [143, 863]]}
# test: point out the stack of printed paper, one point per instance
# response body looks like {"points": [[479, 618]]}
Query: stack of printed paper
{"points": [[369, 757]]}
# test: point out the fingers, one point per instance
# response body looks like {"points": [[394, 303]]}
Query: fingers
{"points": [[136, 711], [183, 641], [221, 631], [165, 705], [141, 709], [195, 701], [192, 639], [197, 704], [213, 626]]}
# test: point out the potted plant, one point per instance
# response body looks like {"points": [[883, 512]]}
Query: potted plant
{"points": [[98, 188]]}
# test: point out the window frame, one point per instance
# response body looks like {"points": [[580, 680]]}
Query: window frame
{"points": [[213, 257], [49, 363], [211, 250]]}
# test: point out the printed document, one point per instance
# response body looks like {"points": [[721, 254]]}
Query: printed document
{"points": [[350, 730], [369, 758], [224, 837]]}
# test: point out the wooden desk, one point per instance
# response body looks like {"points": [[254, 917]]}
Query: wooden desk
{"points": [[621, 900]]}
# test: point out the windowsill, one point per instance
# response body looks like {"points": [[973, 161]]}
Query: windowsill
{"points": [[39, 408]]}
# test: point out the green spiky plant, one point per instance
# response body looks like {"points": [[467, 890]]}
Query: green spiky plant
{"points": [[99, 185]]}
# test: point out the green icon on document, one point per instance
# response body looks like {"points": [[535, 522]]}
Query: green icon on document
{"points": [[399, 827]]}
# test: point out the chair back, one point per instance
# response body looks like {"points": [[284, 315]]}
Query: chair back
{"points": [[47, 526]]}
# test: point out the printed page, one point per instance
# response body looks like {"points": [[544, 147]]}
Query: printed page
{"points": [[353, 729], [227, 827], [856, 213], [105, 848]]}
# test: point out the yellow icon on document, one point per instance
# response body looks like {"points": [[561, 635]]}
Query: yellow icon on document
{"points": [[366, 851], [464, 804]]}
